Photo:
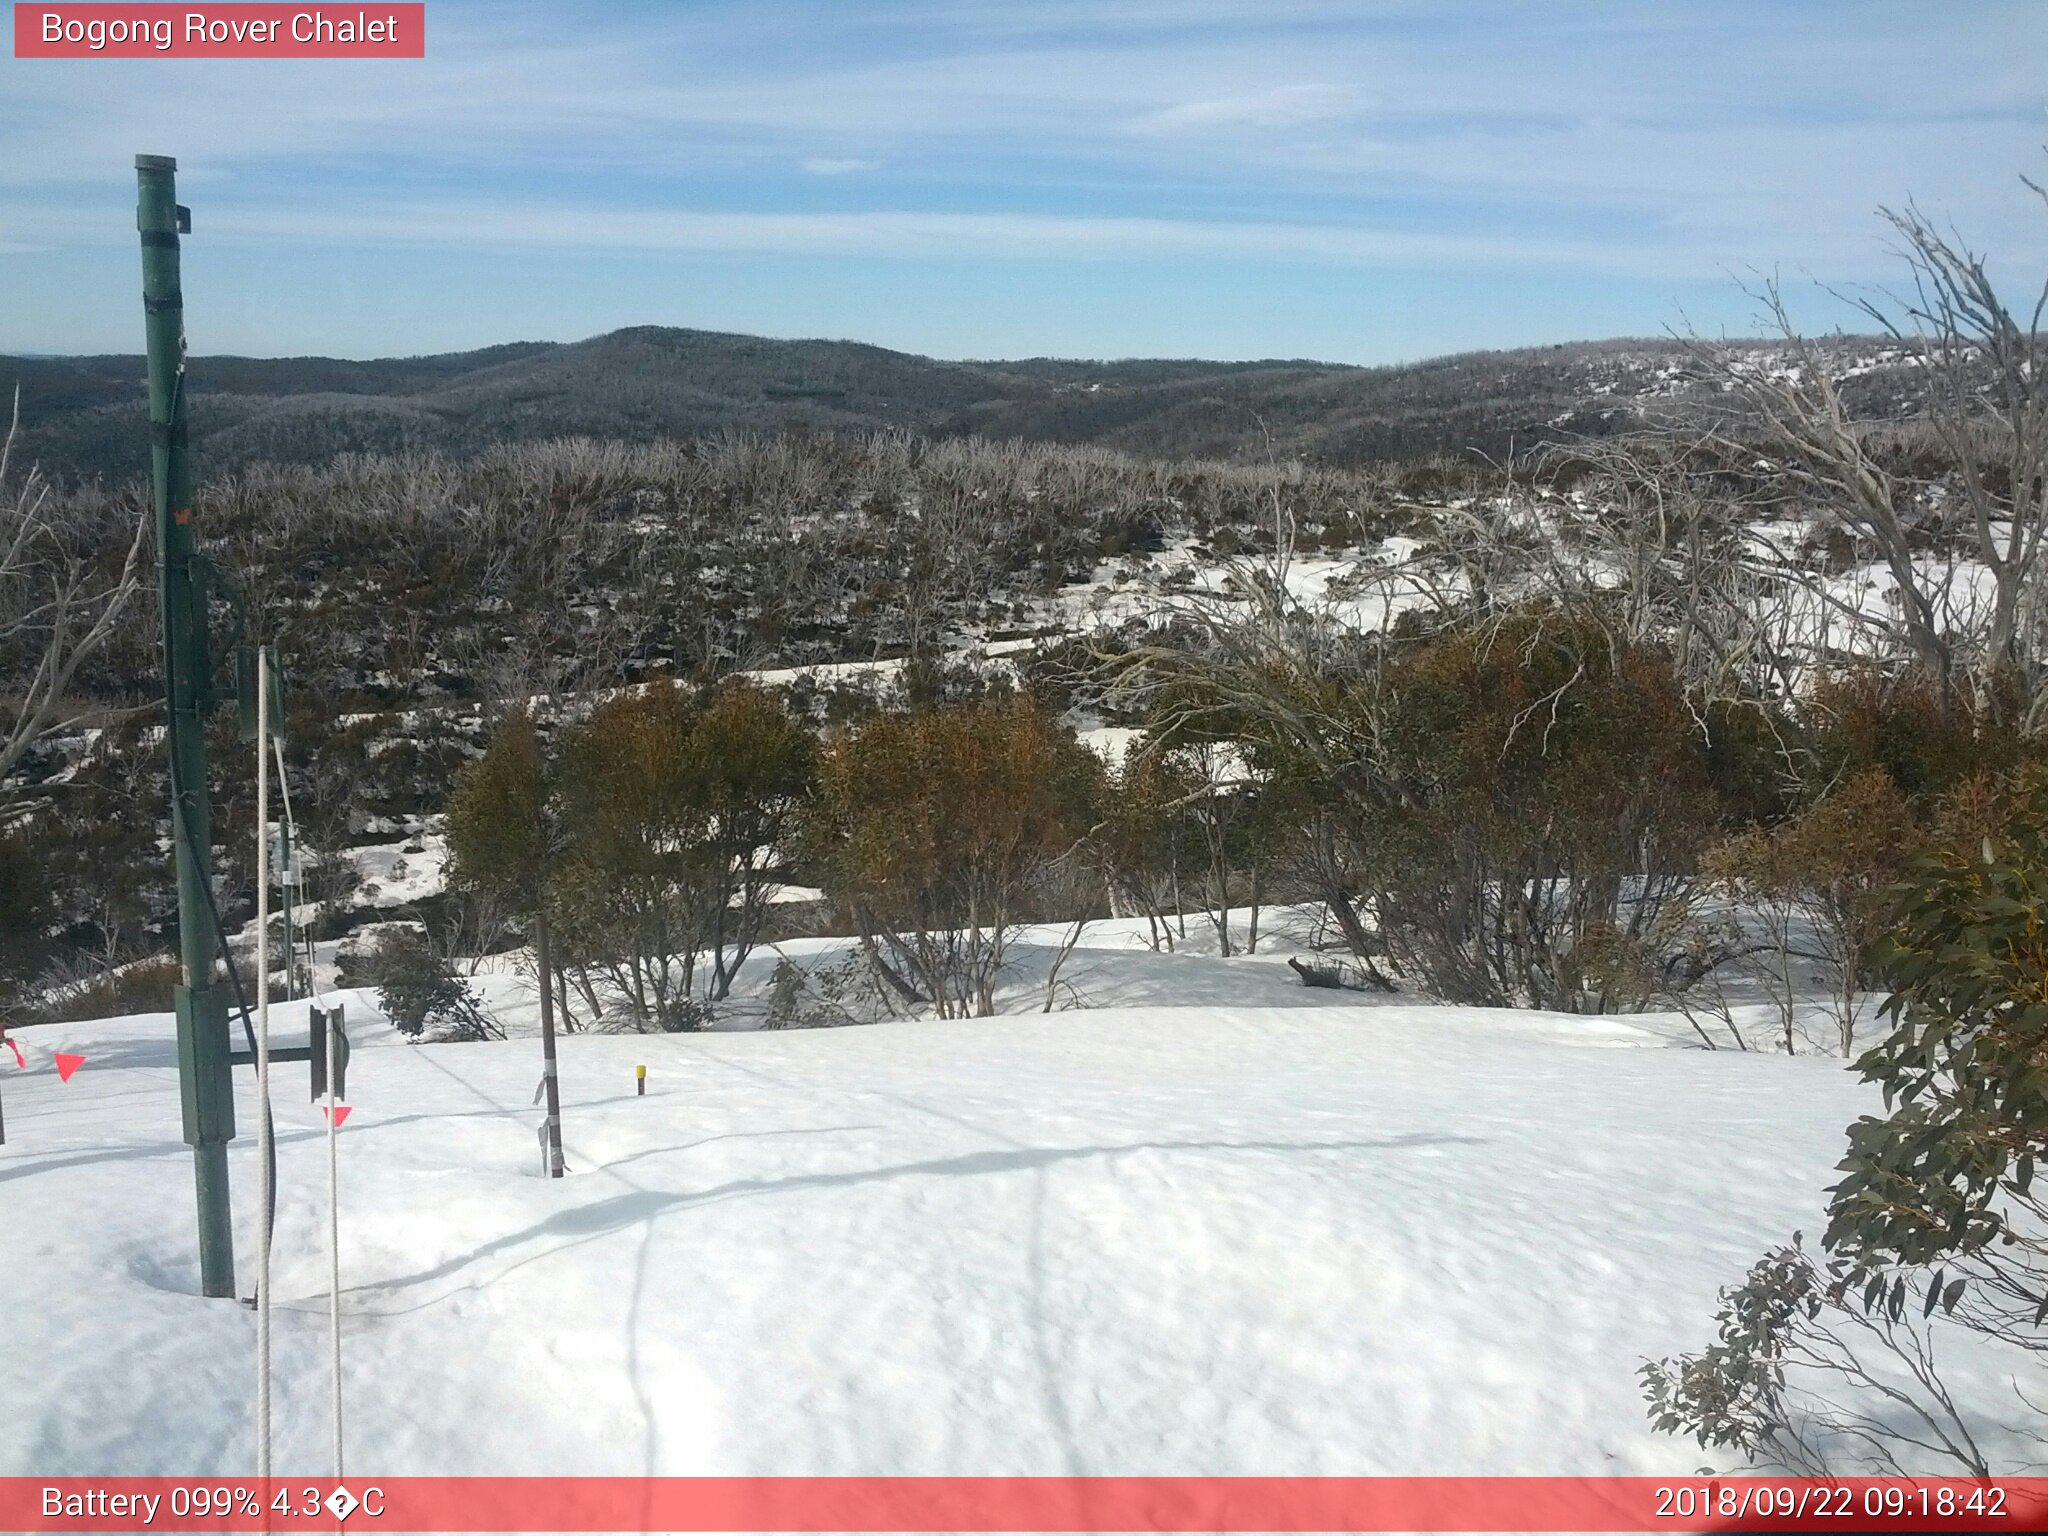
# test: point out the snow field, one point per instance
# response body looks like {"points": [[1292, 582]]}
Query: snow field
{"points": [[1311, 1234]]}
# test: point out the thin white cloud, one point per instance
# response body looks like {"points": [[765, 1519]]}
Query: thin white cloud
{"points": [[939, 235], [1658, 141], [1284, 106]]}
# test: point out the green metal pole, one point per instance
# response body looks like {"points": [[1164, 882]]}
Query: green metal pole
{"points": [[205, 1087]]}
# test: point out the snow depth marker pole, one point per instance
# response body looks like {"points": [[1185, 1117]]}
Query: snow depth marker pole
{"points": [[327, 1052], [206, 1089], [334, 1232]]}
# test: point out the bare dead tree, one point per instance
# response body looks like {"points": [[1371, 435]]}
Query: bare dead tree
{"points": [[1987, 407], [58, 605]]}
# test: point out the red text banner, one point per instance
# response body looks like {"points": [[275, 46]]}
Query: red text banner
{"points": [[234, 31], [1018, 1504]]}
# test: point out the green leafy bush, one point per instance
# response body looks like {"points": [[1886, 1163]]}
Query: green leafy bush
{"points": [[1937, 1226], [419, 990]]}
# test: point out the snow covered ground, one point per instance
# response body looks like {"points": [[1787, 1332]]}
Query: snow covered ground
{"points": [[1266, 1230]]}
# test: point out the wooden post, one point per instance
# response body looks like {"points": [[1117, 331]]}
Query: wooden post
{"points": [[542, 960]]}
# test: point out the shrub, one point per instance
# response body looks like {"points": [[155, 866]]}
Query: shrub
{"points": [[1948, 1172], [25, 920], [1537, 800], [934, 828], [1861, 718], [1936, 1225], [141, 986], [418, 989], [1144, 840], [676, 823], [1821, 883]]}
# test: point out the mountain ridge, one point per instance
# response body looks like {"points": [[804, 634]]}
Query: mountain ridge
{"points": [[83, 416]]}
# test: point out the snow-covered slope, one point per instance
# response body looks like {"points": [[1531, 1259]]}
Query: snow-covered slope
{"points": [[1139, 1239]]}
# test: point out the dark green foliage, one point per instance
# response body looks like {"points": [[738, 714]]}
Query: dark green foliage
{"points": [[1859, 718], [501, 820], [1511, 807], [1808, 1374], [90, 884], [419, 990], [140, 986], [676, 815], [1538, 801], [1146, 840], [1831, 867], [1949, 1169], [1743, 755], [1733, 1392], [1937, 1222], [25, 921]]}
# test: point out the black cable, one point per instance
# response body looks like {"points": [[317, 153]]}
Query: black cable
{"points": [[241, 1001]]}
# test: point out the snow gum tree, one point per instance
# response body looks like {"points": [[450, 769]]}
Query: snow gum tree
{"points": [[1143, 842], [61, 601], [633, 848], [1512, 810], [677, 816], [25, 922], [503, 841], [501, 836], [1965, 549], [1872, 762], [934, 829], [756, 766], [1547, 800]]}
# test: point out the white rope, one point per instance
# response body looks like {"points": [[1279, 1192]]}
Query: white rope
{"points": [[333, 1245], [266, 1133], [333, 1162]]}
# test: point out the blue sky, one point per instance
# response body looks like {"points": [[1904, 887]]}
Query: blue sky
{"points": [[1225, 178]]}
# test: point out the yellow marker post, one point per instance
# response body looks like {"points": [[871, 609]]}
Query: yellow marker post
{"points": [[640, 1081]]}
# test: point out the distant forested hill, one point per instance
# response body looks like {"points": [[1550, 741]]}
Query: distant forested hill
{"points": [[83, 417]]}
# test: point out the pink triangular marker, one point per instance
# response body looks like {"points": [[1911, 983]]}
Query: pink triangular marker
{"points": [[20, 1060], [337, 1112], [66, 1065]]}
